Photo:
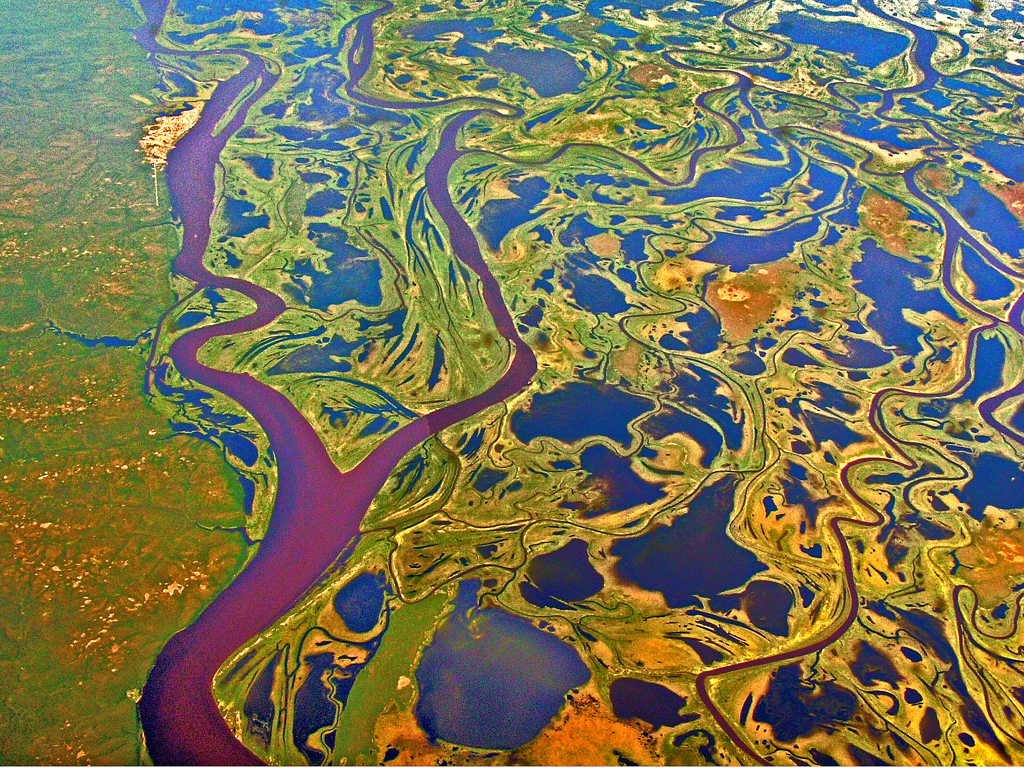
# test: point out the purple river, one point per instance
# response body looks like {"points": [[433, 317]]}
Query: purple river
{"points": [[317, 509]]}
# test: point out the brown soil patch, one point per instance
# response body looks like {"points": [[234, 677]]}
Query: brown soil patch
{"points": [[746, 300], [649, 75], [587, 733], [994, 563], [939, 179], [681, 274], [606, 245], [888, 219], [1012, 196], [399, 729]]}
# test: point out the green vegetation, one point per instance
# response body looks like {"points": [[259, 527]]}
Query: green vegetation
{"points": [[105, 515], [763, 338]]}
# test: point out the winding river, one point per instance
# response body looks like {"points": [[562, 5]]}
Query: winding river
{"points": [[317, 509]]}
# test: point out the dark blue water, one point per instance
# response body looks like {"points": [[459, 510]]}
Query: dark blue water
{"points": [[740, 251], [556, 579], [594, 293], [860, 353], [329, 357], [551, 12], [888, 281], [258, 708], [996, 481], [702, 390], [492, 680], [794, 707], [749, 364], [869, 47], [325, 202], [620, 486], [987, 213], [987, 364], [701, 332], [929, 632], [1008, 159], [752, 183], [989, 283], [242, 218], [262, 167], [692, 556], [472, 30], [189, 39], [654, 704], [612, 29], [322, 83], [241, 447], [330, 677], [552, 30], [871, 667], [872, 129], [550, 71], [766, 603], [989, 359], [671, 421], [330, 139], [352, 274], [499, 217], [360, 602], [313, 708], [111, 342], [204, 12], [768, 72], [971, 87], [580, 410]]}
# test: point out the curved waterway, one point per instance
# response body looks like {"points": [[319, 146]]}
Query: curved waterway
{"points": [[925, 43], [318, 509]]}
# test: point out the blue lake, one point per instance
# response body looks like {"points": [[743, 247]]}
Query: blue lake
{"points": [[490, 679]]}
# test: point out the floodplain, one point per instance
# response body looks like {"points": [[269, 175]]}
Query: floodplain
{"points": [[622, 382]]}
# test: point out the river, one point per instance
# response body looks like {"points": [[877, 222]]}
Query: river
{"points": [[317, 509]]}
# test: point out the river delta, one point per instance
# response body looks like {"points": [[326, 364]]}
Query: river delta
{"points": [[621, 382]]}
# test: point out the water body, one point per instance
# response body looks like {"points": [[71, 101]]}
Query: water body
{"points": [[1006, 158], [752, 183], [996, 481], [795, 708], [620, 486], [989, 283], [549, 71], [672, 420], [594, 293], [650, 702], [556, 579], [889, 282], [988, 214], [490, 679], [741, 250], [766, 604], [580, 410], [693, 556], [352, 274], [242, 218], [868, 46], [499, 217], [317, 509]]}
